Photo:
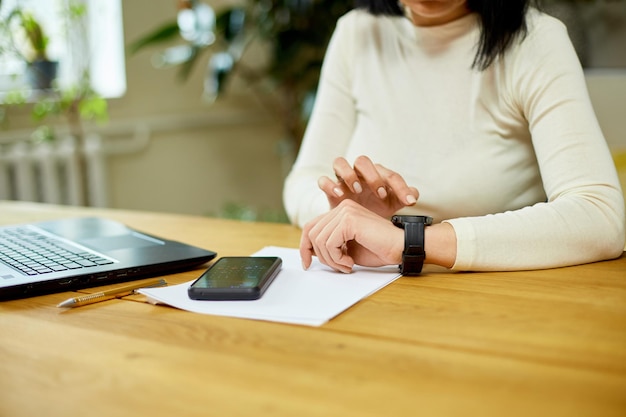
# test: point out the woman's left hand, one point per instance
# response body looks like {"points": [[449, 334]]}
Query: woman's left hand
{"points": [[350, 234]]}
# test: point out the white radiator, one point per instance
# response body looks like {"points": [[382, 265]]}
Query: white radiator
{"points": [[54, 172]]}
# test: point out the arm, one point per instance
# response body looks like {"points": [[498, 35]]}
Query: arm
{"points": [[583, 217], [351, 234]]}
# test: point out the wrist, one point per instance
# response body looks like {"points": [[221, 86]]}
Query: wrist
{"points": [[398, 246], [440, 245]]}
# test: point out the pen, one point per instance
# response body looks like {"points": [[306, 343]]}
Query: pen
{"points": [[109, 294]]}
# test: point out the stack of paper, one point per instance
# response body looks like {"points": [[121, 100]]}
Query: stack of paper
{"points": [[296, 296]]}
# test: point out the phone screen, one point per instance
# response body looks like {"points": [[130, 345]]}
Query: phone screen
{"points": [[236, 278]]}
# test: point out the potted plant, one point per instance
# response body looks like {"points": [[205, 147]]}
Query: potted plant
{"points": [[30, 42], [57, 110], [76, 101]]}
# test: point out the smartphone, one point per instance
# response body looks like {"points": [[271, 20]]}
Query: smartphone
{"points": [[236, 278]]}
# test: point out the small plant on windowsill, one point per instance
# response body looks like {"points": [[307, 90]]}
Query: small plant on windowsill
{"points": [[26, 38], [56, 110], [71, 104]]}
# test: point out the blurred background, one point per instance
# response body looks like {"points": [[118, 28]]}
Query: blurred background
{"points": [[199, 107]]}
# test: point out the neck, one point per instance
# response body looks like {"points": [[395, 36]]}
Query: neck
{"points": [[421, 20]]}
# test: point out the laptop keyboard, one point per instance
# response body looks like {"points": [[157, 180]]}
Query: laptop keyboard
{"points": [[34, 253]]}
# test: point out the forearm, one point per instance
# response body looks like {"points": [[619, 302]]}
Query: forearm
{"points": [[548, 235]]}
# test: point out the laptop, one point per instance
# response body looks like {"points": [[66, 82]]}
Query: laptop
{"points": [[69, 254]]}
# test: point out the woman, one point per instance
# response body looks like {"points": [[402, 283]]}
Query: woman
{"points": [[476, 114]]}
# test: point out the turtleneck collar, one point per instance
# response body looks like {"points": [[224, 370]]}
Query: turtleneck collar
{"points": [[440, 33]]}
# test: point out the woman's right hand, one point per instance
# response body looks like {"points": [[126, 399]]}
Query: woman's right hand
{"points": [[373, 186]]}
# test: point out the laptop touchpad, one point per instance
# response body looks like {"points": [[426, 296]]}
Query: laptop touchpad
{"points": [[128, 241]]}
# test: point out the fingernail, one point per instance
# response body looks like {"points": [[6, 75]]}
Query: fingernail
{"points": [[338, 192], [357, 188], [304, 266], [382, 193], [410, 199]]}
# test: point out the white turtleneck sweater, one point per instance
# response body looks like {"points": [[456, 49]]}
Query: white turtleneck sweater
{"points": [[512, 157]]}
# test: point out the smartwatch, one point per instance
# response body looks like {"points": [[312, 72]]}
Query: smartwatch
{"points": [[414, 254]]}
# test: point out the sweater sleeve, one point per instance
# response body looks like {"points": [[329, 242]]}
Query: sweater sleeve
{"points": [[328, 132], [583, 218]]}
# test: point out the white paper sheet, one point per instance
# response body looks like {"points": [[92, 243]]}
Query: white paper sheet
{"points": [[296, 296]]}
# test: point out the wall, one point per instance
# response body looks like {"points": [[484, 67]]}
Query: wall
{"points": [[200, 156], [608, 94]]}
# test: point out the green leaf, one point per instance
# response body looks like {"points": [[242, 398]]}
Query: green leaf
{"points": [[43, 108], [93, 108], [43, 133], [76, 10], [15, 97], [164, 33]]}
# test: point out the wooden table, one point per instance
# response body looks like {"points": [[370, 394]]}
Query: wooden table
{"points": [[539, 343]]}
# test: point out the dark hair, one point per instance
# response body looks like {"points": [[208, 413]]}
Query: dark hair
{"points": [[502, 21]]}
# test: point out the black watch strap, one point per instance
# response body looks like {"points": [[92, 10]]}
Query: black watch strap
{"points": [[414, 254]]}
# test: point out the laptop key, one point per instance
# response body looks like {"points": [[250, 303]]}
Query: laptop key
{"points": [[85, 262], [57, 268]]}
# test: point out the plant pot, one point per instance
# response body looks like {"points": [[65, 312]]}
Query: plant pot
{"points": [[41, 73]]}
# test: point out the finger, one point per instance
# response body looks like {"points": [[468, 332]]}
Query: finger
{"points": [[337, 245], [311, 240], [333, 190], [330, 245], [398, 186], [306, 247], [366, 170], [345, 173], [318, 236]]}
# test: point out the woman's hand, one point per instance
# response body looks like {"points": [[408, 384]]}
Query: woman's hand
{"points": [[371, 185], [351, 234]]}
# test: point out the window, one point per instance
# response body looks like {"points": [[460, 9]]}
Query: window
{"points": [[92, 41]]}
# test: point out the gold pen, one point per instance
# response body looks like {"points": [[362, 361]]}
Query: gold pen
{"points": [[109, 294]]}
